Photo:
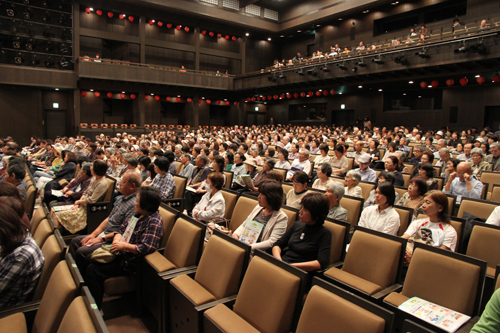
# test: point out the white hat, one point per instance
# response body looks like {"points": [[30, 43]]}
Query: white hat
{"points": [[439, 133]]}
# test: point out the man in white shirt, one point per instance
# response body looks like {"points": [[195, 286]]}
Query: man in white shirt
{"points": [[440, 145], [466, 156], [358, 147], [465, 185], [187, 168], [286, 144], [444, 157], [367, 174], [302, 163]]}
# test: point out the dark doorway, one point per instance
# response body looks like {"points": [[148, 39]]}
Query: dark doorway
{"points": [[343, 117], [218, 115], [55, 123], [256, 118], [492, 117]]}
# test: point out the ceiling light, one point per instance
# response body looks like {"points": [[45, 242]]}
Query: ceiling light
{"points": [[395, 3], [340, 93], [380, 90], [404, 94], [247, 34], [299, 30], [179, 96], [91, 9], [269, 39], [57, 89], [360, 87], [282, 36], [366, 11], [429, 86], [123, 92], [340, 18], [410, 82], [152, 94], [419, 96], [478, 75], [318, 25], [91, 89]]}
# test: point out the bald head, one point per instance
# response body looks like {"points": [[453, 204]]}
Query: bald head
{"points": [[130, 183], [463, 168]]}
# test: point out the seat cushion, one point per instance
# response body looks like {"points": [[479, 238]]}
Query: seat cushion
{"points": [[119, 285], [15, 323], [324, 310], [77, 315], [159, 262], [396, 299], [192, 289], [353, 280], [228, 321]]}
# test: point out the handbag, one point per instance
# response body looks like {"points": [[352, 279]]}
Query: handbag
{"points": [[220, 224], [103, 254]]}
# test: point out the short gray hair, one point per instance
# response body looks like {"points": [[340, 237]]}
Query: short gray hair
{"points": [[337, 188], [444, 150], [495, 145], [111, 151], [477, 151], [305, 151], [442, 141], [354, 175]]}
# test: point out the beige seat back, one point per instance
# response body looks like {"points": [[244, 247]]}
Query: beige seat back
{"points": [[341, 180], [484, 244], [180, 187], [478, 208], [183, 245], [400, 190], [229, 179], [52, 253], [410, 167], [221, 267], [281, 171], [292, 215], [60, 291], [426, 266], [242, 209], [324, 309], [366, 188], [179, 166], [29, 204], [495, 194], [168, 218], [38, 215], [43, 232], [405, 218], [77, 316], [339, 232], [267, 297], [406, 179], [111, 189], [490, 178], [353, 206], [373, 258], [230, 199], [287, 188]]}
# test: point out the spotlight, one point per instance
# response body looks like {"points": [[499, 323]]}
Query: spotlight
{"points": [[462, 49], [354, 69], [401, 59], [423, 54], [325, 69], [63, 48], [63, 63], [35, 61], [28, 14], [342, 66], [49, 62], [301, 72], [17, 43], [29, 45], [49, 47], [18, 59], [282, 76], [361, 64], [378, 60], [312, 72], [479, 48], [47, 18]]}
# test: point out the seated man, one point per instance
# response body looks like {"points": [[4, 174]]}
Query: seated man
{"points": [[367, 174], [300, 164], [465, 185], [81, 247], [139, 235], [15, 175]]}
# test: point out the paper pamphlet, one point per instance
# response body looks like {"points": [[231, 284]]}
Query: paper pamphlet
{"points": [[251, 232], [439, 316], [61, 208], [246, 180], [189, 188], [57, 193]]}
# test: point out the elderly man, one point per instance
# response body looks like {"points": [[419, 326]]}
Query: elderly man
{"points": [[440, 145], [493, 158], [300, 164], [286, 143], [466, 156], [187, 168], [403, 146], [417, 154], [367, 174], [358, 147], [81, 247], [465, 185], [444, 157]]}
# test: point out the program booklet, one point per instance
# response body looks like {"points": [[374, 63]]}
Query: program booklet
{"points": [[439, 316], [251, 232], [61, 208], [57, 193], [246, 180]]}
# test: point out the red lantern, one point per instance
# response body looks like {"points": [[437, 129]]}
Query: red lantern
{"points": [[464, 81], [234, 38], [97, 94], [146, 98], [122, 96], [325, 92], [110, 14], [295, 95], [160, 24], [186, 29], [211, 34], [169, 25], [496, 78], [258, 98], [235, 103], [227, 102], [189, 100], [209, 101], [151, 22], [332, 92], [434, 83], [109, 95], [275, 97], [318, 93], [199, 101], [219, 35], [248, 99], [99, 12], [121, 16], [480, 80], [282, 96], [269, 97], [84, 93], [157, 98], [178, 27], [288, 95], [168, 99], [450, 82], [133, 96], [131, 18], [227, 36], [218, 102], [302, 94], [253, 99], [203, 32], [423, 84], [87, 10], [310, 93]]}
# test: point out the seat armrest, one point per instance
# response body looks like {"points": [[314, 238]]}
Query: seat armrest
{"points": [[337, 264], [175, 203], [228, 301], [383, 293], [26, 308], [467, 327], [178, 271]]}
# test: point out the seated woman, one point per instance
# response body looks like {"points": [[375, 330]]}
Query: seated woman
{"points": [[21, 260], [307, 242], [477, 164], [249, 168], [451, 167], [283, 162], [334, 193], [62, 177], [324, 173], [254, 152], [294, 197], [382, 217], [212, 205], [352, 179], [140, 235], [414, 198], [391, 151], [323, 157], [428, 143], [10, 191], [383, 176], [426, 172], [373, 150], [75, 219], [268, 212], [50, 171], [339, 162], [260, 177], [229, 160], [75, 189], [435, 229], [391, 165]]}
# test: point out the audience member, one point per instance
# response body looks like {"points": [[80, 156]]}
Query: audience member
{"points": [[382, 217], [334, 193], [352, 179], [367, 174], [465, 185], [414, 198], [477, 164], [294, 196], [212, 204], [324, 173]]}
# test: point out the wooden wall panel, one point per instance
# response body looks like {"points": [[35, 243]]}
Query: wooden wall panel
{"points": [[114, 24], [170, 35], [221, 44], [260, 54], [213, 63], [169, 57]]}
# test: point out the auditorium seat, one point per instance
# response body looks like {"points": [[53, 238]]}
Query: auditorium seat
{"points": [[495, 194], [29, 204], [429, 277], [38, 215], [340, 238], [230, 199], [291, 213], [366, 188], [269, 299], [287, 187], [354, 207], [168, 215], [406, 179], [490, 177], [229, 179], [218, 275], [43, 232], [177, 202], [328, 308], [242, 209], [82, 315], [484, 244], [405, 218], [373, 264], [480, 208]]}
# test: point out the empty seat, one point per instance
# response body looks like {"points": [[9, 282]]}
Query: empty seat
{"points": [[366, 188], [53, 251], [242, 209], [405, 218], [480, 208], [484, 244]]}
